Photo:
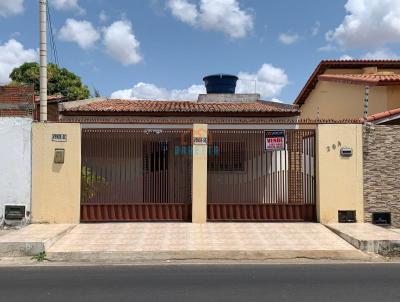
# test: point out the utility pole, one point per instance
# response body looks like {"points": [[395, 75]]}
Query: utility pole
{"points": [[43, 60]]}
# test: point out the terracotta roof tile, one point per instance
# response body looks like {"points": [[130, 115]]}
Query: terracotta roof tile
{"points": [[377, 79], [145, 106], [52, 98], [383, 115]]}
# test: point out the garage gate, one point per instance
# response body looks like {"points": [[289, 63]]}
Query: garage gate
{"points": [[136, 175], [146, 175]]}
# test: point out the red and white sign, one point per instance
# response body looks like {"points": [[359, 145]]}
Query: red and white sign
{"points": [[275, 140]]}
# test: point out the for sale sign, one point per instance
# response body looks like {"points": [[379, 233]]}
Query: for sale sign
{"points": [[275, 140]]}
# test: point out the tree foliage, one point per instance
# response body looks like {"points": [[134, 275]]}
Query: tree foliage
{"points": [[60, 80]]}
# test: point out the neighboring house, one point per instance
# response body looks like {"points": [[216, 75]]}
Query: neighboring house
{"points": [[337, 89], [16, 106], [16, 101], [52, 107]]}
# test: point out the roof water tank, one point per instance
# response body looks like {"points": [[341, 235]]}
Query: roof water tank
{"points": [[220, 83]]}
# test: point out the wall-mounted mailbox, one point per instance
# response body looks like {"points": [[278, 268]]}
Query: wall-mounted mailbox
{"points": [[14, 212], [59, 155], [346, 152]]}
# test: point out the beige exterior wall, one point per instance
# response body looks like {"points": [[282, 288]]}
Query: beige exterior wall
{"points": [[339, 179], [199, 177], [393, 95], [331, 100], [56, 187]]}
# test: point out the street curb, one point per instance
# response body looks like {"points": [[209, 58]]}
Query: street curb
{"points": [[123, 257]]}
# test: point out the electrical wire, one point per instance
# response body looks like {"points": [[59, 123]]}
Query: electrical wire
{"points": [[53, 45]]}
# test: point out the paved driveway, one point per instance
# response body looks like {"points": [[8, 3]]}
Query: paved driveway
{"points": [[212, 240]]}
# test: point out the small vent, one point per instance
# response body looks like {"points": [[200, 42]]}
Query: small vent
{"points": [[347, 216], [14, 212], [380, 218]]}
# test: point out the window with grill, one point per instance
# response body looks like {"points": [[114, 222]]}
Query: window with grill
{"points": [[155, 157], [226, 157]]}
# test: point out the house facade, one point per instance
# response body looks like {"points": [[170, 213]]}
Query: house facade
{"points": [[151, 144], [222, 157], [337, 89]]}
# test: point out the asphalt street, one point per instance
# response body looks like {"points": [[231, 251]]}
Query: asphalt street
{"points": [[305, 282]]}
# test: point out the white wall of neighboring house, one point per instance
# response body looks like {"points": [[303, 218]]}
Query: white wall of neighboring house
{"points": [[15, 163]]}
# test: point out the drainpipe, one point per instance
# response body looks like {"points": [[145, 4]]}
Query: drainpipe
{"points": [[43, 61]]}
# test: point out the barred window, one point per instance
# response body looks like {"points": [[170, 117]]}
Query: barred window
{"points": [[226, 157]]}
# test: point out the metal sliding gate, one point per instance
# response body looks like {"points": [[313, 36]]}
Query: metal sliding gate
{"points": [[248, 183], [136, 175]]}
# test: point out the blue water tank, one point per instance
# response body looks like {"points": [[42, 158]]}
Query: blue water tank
{"points": [[220, 83]]}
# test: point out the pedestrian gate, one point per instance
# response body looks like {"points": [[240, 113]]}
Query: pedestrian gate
{"points": [[136, 175]]}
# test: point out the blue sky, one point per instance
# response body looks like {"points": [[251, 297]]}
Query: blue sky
{"points": [[162, 48]]}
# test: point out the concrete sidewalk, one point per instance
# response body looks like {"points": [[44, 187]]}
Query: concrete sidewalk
{"points": [[124, 242], [32, 239], [369, 238]]}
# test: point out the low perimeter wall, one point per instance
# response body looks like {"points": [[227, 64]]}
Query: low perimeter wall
{"points": [[56, 186], [382, 171], [339, 179]]}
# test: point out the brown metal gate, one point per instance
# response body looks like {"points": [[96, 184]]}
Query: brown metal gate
{"points": [[248, 183], [136, 175]]}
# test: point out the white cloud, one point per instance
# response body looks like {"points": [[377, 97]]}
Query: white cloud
{"points": [[380, 54], [11, 7], [184, 11], [218, 15], [368, 23], [346, 57], [288, 39], [315, 29], [121, 43], [270, 81], [328, 48], [81, 32], [13, 54], [146, 91], [103, 16], [67, 5]]}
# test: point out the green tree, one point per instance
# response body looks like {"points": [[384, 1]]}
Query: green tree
{"points": [[60, 80]]}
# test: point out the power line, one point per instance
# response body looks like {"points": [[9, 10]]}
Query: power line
{"points": [[52, 40]]}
